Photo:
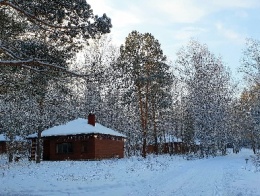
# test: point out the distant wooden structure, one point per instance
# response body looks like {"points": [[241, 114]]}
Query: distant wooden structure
{"points": [[3, 143], [168, 147], [19, 144], [173, 145]]}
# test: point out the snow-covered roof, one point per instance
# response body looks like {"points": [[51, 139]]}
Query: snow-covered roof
{"points": [[4, 138], [76, 127], [197, 142], [171, 138]]}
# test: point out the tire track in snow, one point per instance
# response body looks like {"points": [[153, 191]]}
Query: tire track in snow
{"points": [[199, 177]]}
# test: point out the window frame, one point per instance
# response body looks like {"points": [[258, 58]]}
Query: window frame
{"points": [[64, 148]]}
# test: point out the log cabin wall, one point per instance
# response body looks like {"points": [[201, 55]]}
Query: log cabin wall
{"points": [[83, 147], [109, 147], [2, 147], [79, 148]]}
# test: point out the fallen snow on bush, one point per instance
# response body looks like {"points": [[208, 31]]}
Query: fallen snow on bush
{"points": [[156, 175]]}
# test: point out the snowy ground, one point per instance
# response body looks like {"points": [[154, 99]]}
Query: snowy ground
{"points": [[161, 175]]}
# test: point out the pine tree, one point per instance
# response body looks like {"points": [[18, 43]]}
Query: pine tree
{"points": [[52, 26], [145, 75], [38, 40]]}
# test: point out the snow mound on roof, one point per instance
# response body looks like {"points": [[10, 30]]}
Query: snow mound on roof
{"points": [[2, 138], [76, 127]]}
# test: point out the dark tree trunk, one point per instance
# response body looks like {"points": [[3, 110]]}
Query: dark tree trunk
{"points": [[39, 132], [144, 145], [38, 146], [10, 157]]}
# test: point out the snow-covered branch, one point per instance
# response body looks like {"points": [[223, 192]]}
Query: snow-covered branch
{"points": [[32, 17], [34, 64], [8, 52]]}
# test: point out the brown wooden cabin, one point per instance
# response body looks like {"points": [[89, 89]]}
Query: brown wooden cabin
{"points": [[172, 145], [18, 144], [3, 142], [80, 139], [168, 147]]}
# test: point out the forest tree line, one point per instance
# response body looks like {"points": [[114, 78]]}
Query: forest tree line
{"points": [[53, 71]]}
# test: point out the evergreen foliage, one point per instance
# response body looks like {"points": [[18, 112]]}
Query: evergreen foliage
{"points": [[51, 31], [147, 80], [38, 40]]}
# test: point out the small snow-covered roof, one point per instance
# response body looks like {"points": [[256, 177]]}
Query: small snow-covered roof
{"points": [[4, 138], [197, 142], [171, 138], [76, 127]]}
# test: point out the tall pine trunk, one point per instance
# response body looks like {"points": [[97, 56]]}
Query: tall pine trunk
{"points": [[143, 119], [155, 128]]}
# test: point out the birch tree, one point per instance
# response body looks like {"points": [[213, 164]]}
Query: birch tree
{"points": [[250, 110], [250, 98], [251, 61], [208, 89]]}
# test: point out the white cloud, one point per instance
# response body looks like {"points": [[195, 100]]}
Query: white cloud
{"points": [[230, 34], [192, 11], [242, 14], [99, 7], [235, 3], [153, 11], [120, 16], [121, 19], [186, 33], [125, 13], [178, 11]]}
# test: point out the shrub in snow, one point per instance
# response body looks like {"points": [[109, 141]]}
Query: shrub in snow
{"points": [[192, 156], [256, 161]]}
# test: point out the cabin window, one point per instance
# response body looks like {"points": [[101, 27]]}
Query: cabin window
{"points": [[64, 148], [84, 147]]}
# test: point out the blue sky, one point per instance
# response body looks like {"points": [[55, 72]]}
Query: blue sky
{"points": [[223, 25]]}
